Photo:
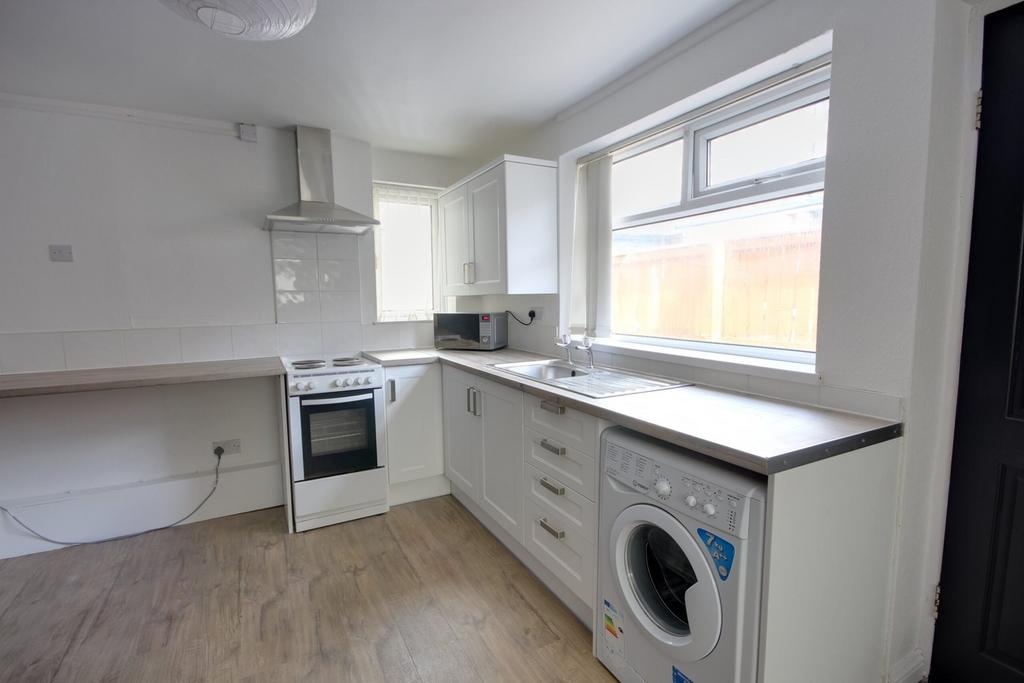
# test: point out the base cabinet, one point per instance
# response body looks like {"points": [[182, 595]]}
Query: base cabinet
{"points": [[413, 412]]}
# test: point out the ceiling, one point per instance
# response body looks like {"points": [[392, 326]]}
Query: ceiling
{"points": [[451, 77]]}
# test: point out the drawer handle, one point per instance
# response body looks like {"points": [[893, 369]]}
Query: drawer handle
{"points": [[552, 448], [546, 526], [552, 407], [557, 490]]}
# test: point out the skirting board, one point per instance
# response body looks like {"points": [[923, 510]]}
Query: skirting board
{"points": [[582, 611], [911, 668], [125, 510], [419, 489]]}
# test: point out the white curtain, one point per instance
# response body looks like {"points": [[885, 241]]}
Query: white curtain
{"points": [[590, 279]]}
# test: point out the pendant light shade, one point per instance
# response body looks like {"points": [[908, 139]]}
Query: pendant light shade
{"points": [[248, 19]]}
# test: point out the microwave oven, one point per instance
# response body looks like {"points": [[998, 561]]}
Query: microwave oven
{"points": [[471, 331]]}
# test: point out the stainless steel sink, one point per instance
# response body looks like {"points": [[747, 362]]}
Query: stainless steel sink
{"points": [[544, 370], [593, 382]]}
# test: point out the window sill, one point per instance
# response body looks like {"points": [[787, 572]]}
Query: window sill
{"points": [[790, 371]]}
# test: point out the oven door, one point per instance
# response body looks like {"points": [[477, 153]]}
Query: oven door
{"points": [[332, 434]]}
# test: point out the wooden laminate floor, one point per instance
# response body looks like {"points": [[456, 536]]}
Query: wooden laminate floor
{"points": [[423, 593]]}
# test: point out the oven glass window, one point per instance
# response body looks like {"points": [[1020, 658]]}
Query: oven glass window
{"points": [[660, 575], [334, 432]]}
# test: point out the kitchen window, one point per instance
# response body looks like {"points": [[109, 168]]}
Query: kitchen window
{"points": [[403, 245], [706, 234]]}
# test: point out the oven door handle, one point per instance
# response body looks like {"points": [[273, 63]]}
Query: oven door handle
{"points": [[333, 401]]}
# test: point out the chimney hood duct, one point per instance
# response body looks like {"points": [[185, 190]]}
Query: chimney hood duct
{"points": [[316, 211]]}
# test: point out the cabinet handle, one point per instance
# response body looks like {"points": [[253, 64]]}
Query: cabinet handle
{"points": [[469, 399], [552, 448], [557, 490], [476, 402], [392, 390], [554, 531], [465, 273], [552, 407]]}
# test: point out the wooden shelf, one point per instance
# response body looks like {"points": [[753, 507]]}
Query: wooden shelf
{"points": [[98, 379]]}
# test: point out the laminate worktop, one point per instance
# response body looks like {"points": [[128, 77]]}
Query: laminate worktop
{"points": [[759, 434], [98, 379]]}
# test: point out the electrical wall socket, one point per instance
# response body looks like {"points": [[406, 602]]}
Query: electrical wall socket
{"points": [[61, 252], [231, 446], [539, 310]]}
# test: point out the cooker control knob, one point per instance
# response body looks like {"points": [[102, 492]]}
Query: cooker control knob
{"points": [[345, 382], [691, 501], [336, 383], [310, 386], [297, 386], [663, 488], [362, 380], [709, 509]]}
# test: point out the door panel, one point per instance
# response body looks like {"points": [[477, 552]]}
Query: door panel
{"points": [[453, 219], [501, 494], [415, 448], [980, 630], [487, 221], [463, 435]]}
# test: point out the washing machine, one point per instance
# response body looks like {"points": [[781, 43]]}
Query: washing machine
{"points": [[680, 556]]}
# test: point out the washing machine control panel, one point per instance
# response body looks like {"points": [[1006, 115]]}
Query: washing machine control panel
{"points": [[673, 488]]}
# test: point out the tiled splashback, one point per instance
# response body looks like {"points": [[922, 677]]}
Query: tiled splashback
{"points": [[40, 351], [316, 277]]}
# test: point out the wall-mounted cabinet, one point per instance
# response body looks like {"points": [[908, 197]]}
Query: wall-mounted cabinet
{"points": [[498, 230]]}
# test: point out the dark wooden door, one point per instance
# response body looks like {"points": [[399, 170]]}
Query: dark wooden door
{"points": [[980, 630]]}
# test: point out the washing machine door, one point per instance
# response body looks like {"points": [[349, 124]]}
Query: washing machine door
{"points": [[666, 580]]}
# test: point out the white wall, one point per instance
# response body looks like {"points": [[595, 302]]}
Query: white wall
{"points": [[893, 229], [164, 215], [409, 168]]}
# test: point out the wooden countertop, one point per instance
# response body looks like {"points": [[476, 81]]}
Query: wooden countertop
{"points": [[98, 379], [759, 434]]}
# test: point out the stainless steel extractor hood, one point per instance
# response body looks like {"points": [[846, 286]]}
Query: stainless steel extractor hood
{"points": [[316, 211]]}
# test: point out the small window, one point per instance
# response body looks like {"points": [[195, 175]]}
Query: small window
{"points": [[770, 146], [404, 253]]}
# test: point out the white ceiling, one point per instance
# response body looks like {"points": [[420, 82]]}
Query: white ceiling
{"points": [[450, 77]]}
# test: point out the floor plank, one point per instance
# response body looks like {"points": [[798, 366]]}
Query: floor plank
{"points": [[422, 594]]}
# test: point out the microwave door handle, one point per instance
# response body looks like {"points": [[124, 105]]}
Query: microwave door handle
{"points": [[334, 401]]}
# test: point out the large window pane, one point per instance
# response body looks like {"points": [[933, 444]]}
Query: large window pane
{"points": [[648, 181], [404, 273], [746, 276], [786, 140]]}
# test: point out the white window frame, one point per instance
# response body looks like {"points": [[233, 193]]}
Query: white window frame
{"points": [[808, 86], [412, 194], [697, 198]]}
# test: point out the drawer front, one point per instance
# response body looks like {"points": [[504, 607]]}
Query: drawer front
{"points": [[573, 467], [570, 557], [553, 495], [570, 427]]}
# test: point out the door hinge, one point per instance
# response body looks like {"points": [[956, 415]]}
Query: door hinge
{"points": [[977, 111], [936, 601]]}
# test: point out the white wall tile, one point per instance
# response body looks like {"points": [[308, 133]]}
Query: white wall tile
{"points": [[297, 339], [32, 352], [205, 343], [339, 337], [101, 349], [295, 275], [339, 276], [254, 341], [294, 245], [382, 336], [338, 247], [340, 307], [672, 370], [298, 307], [145, 347], [423, 335]]}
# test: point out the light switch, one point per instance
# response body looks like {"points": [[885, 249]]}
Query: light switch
{"points": [[247, 132], [61, 252]]}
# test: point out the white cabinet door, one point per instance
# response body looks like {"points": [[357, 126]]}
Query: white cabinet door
{"points": [[454, 230], [415, 442], [486, 196], [463, 432], [501, 492]]}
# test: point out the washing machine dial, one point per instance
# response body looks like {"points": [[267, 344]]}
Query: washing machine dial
{"points": [[709, 509], [662, 488], [691, 501]]}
